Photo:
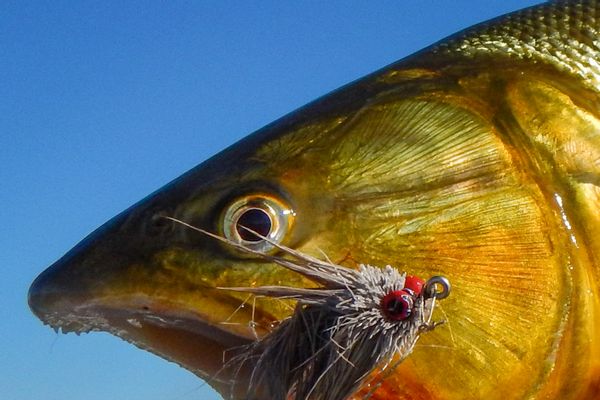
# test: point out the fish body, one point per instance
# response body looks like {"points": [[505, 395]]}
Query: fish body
{"points": [[477, 159]]}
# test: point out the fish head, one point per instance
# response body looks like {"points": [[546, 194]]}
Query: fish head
{"points": [[483, 170]]}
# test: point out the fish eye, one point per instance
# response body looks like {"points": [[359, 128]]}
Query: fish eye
{"points": [[251, 221], [250, 218], [397, 305]]}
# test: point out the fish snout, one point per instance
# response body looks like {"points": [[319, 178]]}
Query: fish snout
{"points": [[64, 295]]}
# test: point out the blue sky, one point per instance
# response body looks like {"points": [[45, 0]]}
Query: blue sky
{"points": [[102, 102]]}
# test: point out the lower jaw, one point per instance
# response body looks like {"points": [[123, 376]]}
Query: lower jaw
{"points": [[180, 337]]}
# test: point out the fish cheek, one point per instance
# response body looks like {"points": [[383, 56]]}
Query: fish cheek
{"points": [[196, 281], [433, 188]]}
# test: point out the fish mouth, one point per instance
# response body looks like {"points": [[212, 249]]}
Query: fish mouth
{"points": [[168, 329], [130, 313]]}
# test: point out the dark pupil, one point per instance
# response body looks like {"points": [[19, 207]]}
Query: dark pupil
{"points": [[395, 306], [255, 220]]}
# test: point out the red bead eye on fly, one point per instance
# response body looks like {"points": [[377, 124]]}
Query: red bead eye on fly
{"points": [[414, 284], [397, 305]]}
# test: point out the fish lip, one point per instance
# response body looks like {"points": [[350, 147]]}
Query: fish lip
{"points": [[104, 314]]}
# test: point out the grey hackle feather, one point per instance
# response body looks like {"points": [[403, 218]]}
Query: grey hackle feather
{"points": [[337, 335]]}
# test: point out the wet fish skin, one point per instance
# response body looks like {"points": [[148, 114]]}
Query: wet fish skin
{"points": [[477, 159]]}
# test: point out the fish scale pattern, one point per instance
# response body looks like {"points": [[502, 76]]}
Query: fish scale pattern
{"points": [[564, 34]]}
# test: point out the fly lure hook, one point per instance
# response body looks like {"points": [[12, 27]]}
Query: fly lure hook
{"points": [[352, 324]]}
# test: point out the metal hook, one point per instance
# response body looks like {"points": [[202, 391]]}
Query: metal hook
{"points": [[431, 287]]}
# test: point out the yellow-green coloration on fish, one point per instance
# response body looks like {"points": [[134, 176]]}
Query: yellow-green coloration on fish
{"points": [[477, 159]]}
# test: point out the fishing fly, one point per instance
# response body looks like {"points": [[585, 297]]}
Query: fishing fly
{"points": [[356, 322]]}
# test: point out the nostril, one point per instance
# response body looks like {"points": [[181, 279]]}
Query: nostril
{"points": [[159, 220], [157, 224]]}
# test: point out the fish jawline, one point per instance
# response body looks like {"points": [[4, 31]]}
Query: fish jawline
{"points": [[176, 336]]}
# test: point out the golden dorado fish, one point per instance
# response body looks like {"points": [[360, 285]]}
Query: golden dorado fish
{"points": [[477, 159]]}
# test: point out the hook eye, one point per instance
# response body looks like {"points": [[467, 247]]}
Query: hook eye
{"points": [[438, 287]]}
